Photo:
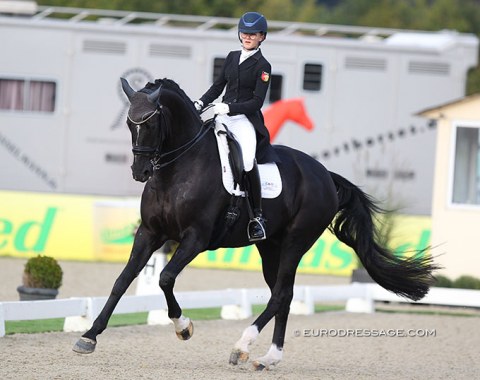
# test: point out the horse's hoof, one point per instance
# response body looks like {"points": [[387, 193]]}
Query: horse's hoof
{"points": [[238, 356], [257, 366], [84, 346], [186, 333]]}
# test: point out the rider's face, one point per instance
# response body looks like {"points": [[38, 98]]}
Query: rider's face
{"points": [[251, 40]]}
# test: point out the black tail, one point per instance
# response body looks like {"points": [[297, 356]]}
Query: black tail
{"points": [[409, 277]]}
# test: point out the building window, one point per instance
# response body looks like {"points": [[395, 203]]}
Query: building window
{"points": [[312, 77], [27, 95], [217, 67], [466, 175], [275, 89]]}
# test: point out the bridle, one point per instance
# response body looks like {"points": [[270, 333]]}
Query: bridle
{"points": [[139, 149], [154, 152]]}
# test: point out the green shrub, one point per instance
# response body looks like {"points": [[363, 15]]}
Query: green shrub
{"points": [[42, 272], [467, 282], [443, 282]]}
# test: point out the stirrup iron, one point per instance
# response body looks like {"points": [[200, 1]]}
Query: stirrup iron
{"points": [[256, 229]]}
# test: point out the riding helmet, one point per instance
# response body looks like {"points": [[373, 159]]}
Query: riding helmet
{"points": [[252, 22]]}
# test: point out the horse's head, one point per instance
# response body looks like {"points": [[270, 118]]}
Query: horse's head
{"points": [[154, 112], [143, 120]]}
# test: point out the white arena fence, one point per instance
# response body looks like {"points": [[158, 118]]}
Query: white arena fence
{"points": [[79, 313]]}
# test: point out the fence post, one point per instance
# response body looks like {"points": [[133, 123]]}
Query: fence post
{"points": [[242, 310], [2, 321], [305, 306], [82, 322], [363, 304]]}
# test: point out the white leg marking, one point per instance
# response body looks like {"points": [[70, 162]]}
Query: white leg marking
{"points": [[181, 323], [248, 337], [273, 357]]}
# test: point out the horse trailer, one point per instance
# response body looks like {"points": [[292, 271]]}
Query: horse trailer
{"points": [[62, 111]]}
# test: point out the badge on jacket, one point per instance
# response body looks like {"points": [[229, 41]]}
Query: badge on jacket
{"points": [[265, 76]]}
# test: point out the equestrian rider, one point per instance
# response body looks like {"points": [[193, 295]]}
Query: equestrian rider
{"points": [[246, 76]]}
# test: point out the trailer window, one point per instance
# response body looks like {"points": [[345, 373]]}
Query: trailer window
{"points": [[466, 171], [275, 90], [27, 95], [312, 77], [217, 67]]}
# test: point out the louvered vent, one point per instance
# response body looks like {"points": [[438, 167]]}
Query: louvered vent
{"points": [[159, 50], [435, 68], [108, 47], [360, 63]]}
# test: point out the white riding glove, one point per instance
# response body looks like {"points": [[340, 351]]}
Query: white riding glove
{"points": [[221, 109], [198, 105]]}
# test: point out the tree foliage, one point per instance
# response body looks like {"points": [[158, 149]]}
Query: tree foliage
{"points": [[460, 15]]}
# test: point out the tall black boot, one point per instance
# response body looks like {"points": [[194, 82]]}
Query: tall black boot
{"points": [[256, 226]]}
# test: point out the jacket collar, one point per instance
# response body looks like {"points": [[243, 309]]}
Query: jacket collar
{"points": [[256, 56]]}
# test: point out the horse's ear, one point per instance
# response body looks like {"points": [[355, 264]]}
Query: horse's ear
{"points": [[152, 98], [129, 91]]}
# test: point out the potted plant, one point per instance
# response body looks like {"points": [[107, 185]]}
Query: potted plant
{"points": [[42, 276]]}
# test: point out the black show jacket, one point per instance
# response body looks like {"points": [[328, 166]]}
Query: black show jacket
{"points": [[246, 88]]}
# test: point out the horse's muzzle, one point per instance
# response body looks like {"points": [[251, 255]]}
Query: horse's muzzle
{"points": [[141, 176]]}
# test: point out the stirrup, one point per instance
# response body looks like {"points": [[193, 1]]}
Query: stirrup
{"points": [[256, 229]]}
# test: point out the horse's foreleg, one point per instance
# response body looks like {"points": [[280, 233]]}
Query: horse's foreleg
{"points": [[141, 252], [184, 254]]}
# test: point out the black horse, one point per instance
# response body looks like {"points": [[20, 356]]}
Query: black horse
{"points": [[184, 200]]}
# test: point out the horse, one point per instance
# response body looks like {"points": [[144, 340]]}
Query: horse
{"points": [[183, 200], [286, 110]]}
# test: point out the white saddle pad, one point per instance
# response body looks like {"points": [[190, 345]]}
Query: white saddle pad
{"points": [[269, 173]]}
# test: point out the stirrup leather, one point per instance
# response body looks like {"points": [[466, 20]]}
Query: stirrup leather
{"points": [[256, 229]]}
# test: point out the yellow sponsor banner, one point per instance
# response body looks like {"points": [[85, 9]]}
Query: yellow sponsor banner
{"points": [[90, 228], [67, 227], [113, 225], [327, 255]]}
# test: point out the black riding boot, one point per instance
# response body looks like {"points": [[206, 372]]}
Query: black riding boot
{"points": [[256, 226]]}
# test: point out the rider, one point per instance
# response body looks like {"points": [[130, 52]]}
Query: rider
{"points": [[246, 75]]}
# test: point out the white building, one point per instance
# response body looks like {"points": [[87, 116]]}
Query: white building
{"points": [[62, 111]]}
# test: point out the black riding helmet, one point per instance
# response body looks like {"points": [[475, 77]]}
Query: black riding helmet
{"points": [[252, 22]]}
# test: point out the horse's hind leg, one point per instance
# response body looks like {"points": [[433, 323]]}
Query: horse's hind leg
{"points": [[141, 252], [270, 260], [293, 248], [278, 306]]}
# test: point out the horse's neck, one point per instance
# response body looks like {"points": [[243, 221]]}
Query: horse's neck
{"points": [[183, 132]]}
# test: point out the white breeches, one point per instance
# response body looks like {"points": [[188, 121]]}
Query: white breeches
{"points": [[245, 134]]}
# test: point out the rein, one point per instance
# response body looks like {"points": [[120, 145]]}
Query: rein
{"points": [[186, 147]]}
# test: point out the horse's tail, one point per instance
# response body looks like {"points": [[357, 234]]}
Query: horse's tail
{"points": [[409, 277]]}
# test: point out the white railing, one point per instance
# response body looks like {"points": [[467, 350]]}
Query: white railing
{"points": [[200, 23], [79, 313]]}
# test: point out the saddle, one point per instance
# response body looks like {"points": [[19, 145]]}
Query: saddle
{"points": [[231, 161]]}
